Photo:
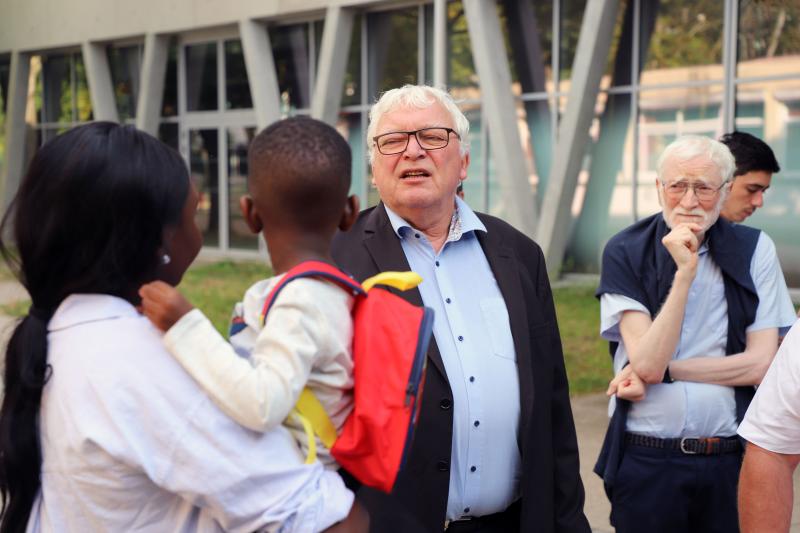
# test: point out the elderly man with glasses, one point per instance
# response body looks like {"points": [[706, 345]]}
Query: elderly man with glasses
{"points": [[694, 305], [495, 447]]}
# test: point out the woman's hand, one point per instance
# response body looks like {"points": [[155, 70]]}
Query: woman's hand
{"points": [[163, 304]]}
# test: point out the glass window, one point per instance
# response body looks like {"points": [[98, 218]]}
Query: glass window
{"points": [[58, 89], [201, 76], [5, 68], [461, 68], [393, 49], [168, 134], [351, 95], [237, 88], [204, 168], [476, 186], [687, 33], [350, 126], [291, 55], [570, 31], [529, 30], [125, 65], [239, 234], [169, 102], [768, 29]]}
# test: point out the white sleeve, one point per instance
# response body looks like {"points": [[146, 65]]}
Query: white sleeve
{"points": [[612, 306], [773, 418], [775, 309], [251, 481], [259, 393]]}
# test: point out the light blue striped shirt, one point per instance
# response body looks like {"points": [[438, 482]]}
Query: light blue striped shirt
{"points": [[690, 409], [473, 333]]}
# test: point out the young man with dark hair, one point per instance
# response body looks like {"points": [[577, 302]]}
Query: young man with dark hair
{"points": [[755, 164]]}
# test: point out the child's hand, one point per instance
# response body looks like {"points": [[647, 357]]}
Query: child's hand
{"points": [[163, 304]]}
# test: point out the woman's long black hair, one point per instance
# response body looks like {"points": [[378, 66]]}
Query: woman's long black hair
{"points": [[88, 217]]}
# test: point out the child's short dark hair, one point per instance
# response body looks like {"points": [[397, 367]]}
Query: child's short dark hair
{"points": [[750, 153], [300, 173]]}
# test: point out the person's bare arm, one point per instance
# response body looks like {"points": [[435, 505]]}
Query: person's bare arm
{"points": [[357, 521], [650, 343], [745, 368], [766, 491]]}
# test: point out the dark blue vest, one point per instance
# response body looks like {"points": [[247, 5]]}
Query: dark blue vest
{"points": [[637, 265]]}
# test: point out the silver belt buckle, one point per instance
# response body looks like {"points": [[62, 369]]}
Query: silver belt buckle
{"points": [[462, 519], [683, 445]]}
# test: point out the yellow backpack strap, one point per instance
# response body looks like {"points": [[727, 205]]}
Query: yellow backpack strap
{"points": [[315, 421], [399, 280]]}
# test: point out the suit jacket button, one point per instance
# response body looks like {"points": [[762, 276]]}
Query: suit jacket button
{"points": [[445, 404], [442, 466]]}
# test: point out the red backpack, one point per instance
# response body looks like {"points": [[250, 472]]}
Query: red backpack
{"points": [[390, 343]]}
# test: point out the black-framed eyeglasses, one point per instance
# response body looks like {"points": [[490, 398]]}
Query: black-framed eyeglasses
{"points": [[703, 191], [396, 142]]}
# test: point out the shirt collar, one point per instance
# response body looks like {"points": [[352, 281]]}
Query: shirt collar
{"points": [[464, 220], [82, 308]]}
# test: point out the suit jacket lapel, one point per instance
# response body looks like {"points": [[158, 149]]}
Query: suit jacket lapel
{"points": [[386, 251], [505, 267]]}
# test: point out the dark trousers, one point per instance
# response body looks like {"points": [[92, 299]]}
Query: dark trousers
{"points": [[666, 491]]}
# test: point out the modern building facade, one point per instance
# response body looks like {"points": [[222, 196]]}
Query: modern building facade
{"points": [[570, 101]]}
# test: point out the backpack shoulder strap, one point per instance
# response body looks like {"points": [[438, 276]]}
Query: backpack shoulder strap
{"points": [[316, 269]]}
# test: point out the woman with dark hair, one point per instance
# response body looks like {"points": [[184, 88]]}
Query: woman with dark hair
{"points": [[100, 428]]}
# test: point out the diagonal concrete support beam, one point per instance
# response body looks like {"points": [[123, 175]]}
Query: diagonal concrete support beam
{"points": [[333, 55], [15, 160], [573, 132], [261, 74], [500, 113], [151, 91], [98, 75]]}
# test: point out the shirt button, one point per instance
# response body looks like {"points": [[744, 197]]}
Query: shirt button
{"points": [[437, 263], [445, 404], [416, 235], [472, 379], [477, 423], [447, 300], [442, 466], [461, 338], [473, 468], [466, 509]]}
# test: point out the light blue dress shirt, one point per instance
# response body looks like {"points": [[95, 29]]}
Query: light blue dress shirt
{"points": [[473, 334], [685, 408]]}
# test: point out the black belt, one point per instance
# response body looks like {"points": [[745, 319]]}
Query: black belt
{"points": [[504, 521], [688, 445]]}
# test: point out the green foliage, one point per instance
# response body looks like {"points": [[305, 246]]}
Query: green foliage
{"points": [[214, 288], [686, 33], [585, 353]]}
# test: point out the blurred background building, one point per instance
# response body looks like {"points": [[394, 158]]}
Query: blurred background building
{"points": [[570, 101]]}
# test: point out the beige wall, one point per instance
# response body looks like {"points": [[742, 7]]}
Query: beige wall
{"points": [[33, 25]]}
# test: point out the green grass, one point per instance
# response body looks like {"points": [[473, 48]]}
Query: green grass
{"points": [[585, 353], [215, 287]]}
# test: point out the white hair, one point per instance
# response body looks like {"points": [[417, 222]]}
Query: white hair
{"points": [[688, 147], [421, 97]]}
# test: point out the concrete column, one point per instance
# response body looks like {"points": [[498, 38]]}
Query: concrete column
{"points": [[573, 133], [333, 55], [15, 126], [260, 72], [98, 75], [500, 113], [151, 91], [439, 43]]}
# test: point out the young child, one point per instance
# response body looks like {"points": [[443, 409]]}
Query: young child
{"points": [[298, 184]]}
